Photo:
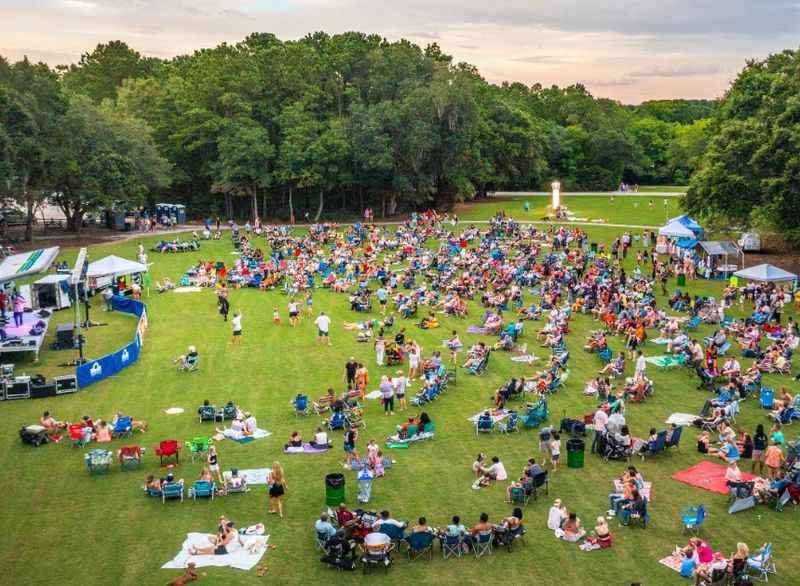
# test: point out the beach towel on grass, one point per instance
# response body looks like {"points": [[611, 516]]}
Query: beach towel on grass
{"points": [[245, 555], [660, 341], [238, 437], [664, 361], [374, 395], [681, 419], [188, 289], [255, 475], [306, 449], [477, 330], [395, 442], [673, 562]]}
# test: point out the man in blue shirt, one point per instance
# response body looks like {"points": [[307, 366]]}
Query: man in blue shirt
{"points": [[324, 528]]}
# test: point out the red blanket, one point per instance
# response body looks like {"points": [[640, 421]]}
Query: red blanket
{"points": [[708, 476]]}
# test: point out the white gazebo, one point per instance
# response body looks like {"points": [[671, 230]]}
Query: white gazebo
{"points": [[765, 273]]}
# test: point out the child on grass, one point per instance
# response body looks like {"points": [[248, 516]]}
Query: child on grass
{"points": [[555, 450], [276, 317]]}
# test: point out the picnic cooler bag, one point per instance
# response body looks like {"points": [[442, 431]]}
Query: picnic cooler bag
{"points": [[575, 452], [334, 489]]}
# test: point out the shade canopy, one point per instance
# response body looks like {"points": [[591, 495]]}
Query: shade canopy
{"points": [[25, 264], [676, 230], [114, 266], [765, 272]]}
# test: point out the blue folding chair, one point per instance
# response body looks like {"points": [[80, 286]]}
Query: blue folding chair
{"points": [[693, 518], [202, 489], [485, 424], [420, 544], [766, 397], [300, 404], [123, 427]]}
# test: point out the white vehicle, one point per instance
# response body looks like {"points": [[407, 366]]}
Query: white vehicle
{"points": [[750, 242]]}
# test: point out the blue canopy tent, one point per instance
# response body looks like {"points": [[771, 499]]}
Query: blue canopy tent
{"points": [[689, 223]]}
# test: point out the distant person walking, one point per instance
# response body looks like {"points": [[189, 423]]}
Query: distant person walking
{"points": [[323, 323], [236, 326]]}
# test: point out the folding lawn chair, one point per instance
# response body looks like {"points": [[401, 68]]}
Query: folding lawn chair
{"points": [[130, 457], [123, 427], [452, 546], [762, 564], [202, 489], [482, 544], [485, 424], [693, 518], [198, 447], [171, 491], [300, 404], [420, 544], [519, 496], [168, 449]]}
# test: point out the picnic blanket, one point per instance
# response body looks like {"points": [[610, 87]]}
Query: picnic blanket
{"points": [[173, 411], [255, 475], [497, 416], [681, 419], [237, 437], [244, 556], [395, 442], [673, 562], [477, 330], [646, 491], [660, 341], [708, 476], [664, 361], [306, 449], [526, 358], [187, 289], [374, 395]]}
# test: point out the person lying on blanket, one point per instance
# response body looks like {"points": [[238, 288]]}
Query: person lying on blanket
{"points": [[224, 542]]}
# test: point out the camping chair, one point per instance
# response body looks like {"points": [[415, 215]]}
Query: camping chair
{"points": [[171, 490], [207, 413], [629, 515], [766, 397], [451, 546], [98, 461], [123, 427], [168, 449], [511, 424], [536, 415], [519, 496], [482, 544], [693, 323], [509, 537], [657, 446], [199, 447], [693, 518], [395, 533], [484, 424], [130, 457], [300, 404], [202, 489], [451, 376], [374, 559], [321, 541], [420, 544], [229, 411], [77, 437], [539, 481], [762, 563]]}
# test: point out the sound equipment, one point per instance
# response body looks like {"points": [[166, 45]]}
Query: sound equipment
{"points": [[65, 336], [42, 391], [67, 383], [18, 388]]}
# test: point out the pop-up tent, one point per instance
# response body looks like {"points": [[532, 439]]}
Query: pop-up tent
{"points": [[766, 273], [24, 264], [114, 266], [689, 223], [676, 230]]}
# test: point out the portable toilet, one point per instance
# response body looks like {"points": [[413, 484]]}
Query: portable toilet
{"points": [[180, 213]]}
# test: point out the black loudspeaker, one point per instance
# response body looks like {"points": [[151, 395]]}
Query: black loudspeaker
{"points": [[19, 388], [43, 391], [67, 383], [65, 336]]}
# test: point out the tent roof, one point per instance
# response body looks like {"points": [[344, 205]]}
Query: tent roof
{"points": [[686, 221], [114, 266], [24, 264], [47, 279], [765, 272], [719, 247], [676, 230]]}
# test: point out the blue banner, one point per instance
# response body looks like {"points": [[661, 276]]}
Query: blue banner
{"points": [[98, 369]]}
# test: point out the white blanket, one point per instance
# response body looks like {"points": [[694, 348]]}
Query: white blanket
{"points": [[255, 475], [243, 556], [374, 395], [681, 419], [191, 289], [237, 435]]}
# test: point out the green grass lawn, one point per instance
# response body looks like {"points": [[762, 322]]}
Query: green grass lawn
{"points": [[619, 209], [64, 525]]}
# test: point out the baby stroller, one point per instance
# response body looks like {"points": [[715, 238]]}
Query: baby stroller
{"points": [[364, 485], [615, 450], [35, 435]]}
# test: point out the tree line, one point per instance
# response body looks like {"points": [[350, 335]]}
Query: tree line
{"points": [[329, 124]]}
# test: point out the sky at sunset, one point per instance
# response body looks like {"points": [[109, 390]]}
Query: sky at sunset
{"points": [[630, 50]]}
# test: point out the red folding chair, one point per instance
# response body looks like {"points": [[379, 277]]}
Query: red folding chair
{"points": [[130, 457], [168, 449]]}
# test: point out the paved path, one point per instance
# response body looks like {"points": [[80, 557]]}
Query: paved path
{"points": [[585, 193]]}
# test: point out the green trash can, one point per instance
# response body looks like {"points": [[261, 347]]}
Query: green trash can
{"points": [[594, 247], [575, 452], [681, 280], [334, 489]]}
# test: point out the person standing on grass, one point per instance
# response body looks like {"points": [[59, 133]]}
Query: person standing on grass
{"points": [[383, 296], [350, 368], [641, 365], [400, 383], [380, 350], [323, 323], [387, 392], [294, 311], [236, 325], [224, 306], [309, 303], [349, 445], [213, 464], [277, 488]]}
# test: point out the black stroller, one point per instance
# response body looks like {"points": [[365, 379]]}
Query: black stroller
{"points": [[34, 435], [613, 449]]}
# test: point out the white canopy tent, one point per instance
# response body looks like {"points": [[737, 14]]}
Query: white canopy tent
{"points": [[765, 273], [25, 264], [676, 230], [114, 266]]}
